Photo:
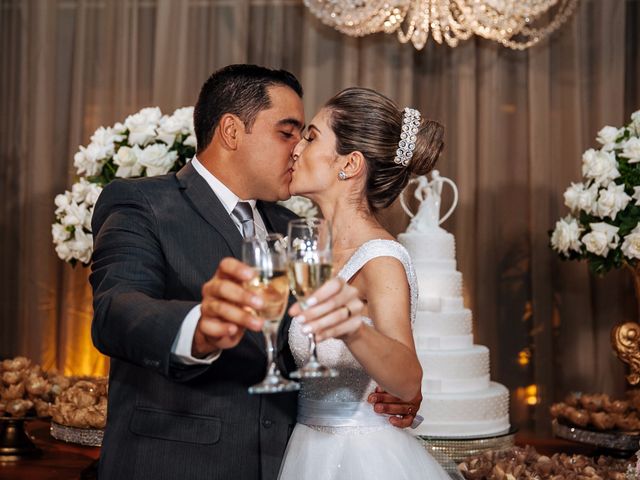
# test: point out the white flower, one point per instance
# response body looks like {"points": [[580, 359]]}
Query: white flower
{"points": [[576, 197], [611, 201], [93, 192], [636, 195], [158, 159], [90, 160], [169, 129], [64, 252], [184, 116], [566, 235], [142, 125], [631, 150], [190, 141], [127, 161], [62, 200], [607, 137], [119, 129], [631, 244], [59, 233], [572, 194], [600, 166], [75, 215], [635, 122], [601, 239], [303, 207], [82, 245], [80, 190], [106, 138]]}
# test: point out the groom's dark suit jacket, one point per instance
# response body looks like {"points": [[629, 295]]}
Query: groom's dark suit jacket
{"points": [[157, 240]]}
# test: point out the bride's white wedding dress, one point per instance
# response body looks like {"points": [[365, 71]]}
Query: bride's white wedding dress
{"points": [[338, 435]]}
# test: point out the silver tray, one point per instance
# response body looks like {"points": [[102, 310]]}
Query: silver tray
{"points": [[91, 437], [613, 440]]}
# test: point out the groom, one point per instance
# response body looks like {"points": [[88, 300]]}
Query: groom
{"points": [[169, 307]]}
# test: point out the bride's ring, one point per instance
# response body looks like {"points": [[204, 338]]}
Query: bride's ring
{"points": [[348, 311], [410, 411]]}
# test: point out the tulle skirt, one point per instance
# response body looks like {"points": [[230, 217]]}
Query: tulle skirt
{"points": [[384, 453]]}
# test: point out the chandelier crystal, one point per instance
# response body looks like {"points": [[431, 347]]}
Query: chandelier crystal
{"points": [[516, 24]]}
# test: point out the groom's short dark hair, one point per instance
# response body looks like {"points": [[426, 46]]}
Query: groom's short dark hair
{"points": [[238, 89]]}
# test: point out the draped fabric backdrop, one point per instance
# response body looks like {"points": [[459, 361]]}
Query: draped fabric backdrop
{"points": [[516, 126]]}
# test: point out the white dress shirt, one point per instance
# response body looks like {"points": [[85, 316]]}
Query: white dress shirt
{"points": [[181, 348]]}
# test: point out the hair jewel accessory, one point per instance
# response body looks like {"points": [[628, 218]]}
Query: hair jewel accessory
{"points": [[408, 136]]}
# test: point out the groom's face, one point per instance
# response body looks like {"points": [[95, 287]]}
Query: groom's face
{"points": [[267, 148]]}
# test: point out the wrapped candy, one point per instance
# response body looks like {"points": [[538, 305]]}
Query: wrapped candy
{"points": [[518, 463], [20, 379], [83, 405]]}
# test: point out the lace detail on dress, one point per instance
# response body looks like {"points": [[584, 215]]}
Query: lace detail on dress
{"points": [[353, 384]]}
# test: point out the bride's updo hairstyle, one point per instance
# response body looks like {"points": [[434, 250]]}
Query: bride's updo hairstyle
{"points": [[366, 121]]}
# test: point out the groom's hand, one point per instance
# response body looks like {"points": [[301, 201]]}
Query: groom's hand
{"points": [[402, 413], [226, 309]]}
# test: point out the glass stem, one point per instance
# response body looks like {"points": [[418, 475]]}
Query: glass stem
{"points": [[312, 348], [271, 337]]}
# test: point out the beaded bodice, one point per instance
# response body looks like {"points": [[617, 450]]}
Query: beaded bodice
{"points": [[353, 384]]}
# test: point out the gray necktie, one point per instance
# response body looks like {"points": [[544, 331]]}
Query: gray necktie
{"points": [[244, 213]]}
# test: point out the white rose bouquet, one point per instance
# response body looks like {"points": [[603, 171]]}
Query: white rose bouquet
{"points": [[146, 144], [603, 224]]}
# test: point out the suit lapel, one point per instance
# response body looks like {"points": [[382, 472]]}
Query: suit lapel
{"points": [[208, 205]]}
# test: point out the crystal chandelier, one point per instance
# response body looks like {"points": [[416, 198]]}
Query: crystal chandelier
{"points": [[516, 24]]}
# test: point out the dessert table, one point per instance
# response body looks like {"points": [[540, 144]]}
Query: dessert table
{"points": [[62, 461], [58, 460]]}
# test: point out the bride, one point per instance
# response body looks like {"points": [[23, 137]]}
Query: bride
{"points": [[353, 162]]}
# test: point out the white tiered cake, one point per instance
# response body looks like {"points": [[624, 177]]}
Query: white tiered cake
{"points": [[459, 400]]}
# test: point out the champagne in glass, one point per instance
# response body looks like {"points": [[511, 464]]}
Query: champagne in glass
{"points": [[267, 256], [309, 250], [306, 277]]}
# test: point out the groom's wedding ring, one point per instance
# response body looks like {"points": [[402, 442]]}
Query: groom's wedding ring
{"points": [[348, 311]]}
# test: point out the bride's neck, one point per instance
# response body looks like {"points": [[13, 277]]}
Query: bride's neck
{"points": [[351, 224]]}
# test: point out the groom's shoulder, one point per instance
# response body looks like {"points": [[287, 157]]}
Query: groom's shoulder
{"points": [[123, 187]]}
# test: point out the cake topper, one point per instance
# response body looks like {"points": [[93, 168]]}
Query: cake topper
{"points": [[429, 194]]}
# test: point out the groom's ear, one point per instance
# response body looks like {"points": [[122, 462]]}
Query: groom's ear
{"points": [[229, 129], [354, 164]]}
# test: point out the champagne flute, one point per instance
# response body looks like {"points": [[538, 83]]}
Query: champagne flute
{"points": [[310, 265], [267, 256]]}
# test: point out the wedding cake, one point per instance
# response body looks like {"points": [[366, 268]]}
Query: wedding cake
{"points": [[459, 399]]}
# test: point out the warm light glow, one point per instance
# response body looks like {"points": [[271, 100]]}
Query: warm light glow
{"points": [[528, 394], [523, 357]]}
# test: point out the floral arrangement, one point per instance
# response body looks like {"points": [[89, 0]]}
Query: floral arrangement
{"points": [[148, 143], [603, 224]]}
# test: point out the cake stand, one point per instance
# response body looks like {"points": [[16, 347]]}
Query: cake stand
{"points": [[456, 449], [14, 441]]}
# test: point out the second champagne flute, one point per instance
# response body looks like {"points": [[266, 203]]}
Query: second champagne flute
{"points": [[310, 265]]}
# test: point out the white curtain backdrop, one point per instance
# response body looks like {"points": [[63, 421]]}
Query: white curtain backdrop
{"points": [[516, 126]]}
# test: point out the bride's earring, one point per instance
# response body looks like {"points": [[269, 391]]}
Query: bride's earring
{"points": [[342, 175]]}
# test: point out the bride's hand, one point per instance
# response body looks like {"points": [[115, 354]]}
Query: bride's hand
{"points": [[333, 311], [402, 413]]}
